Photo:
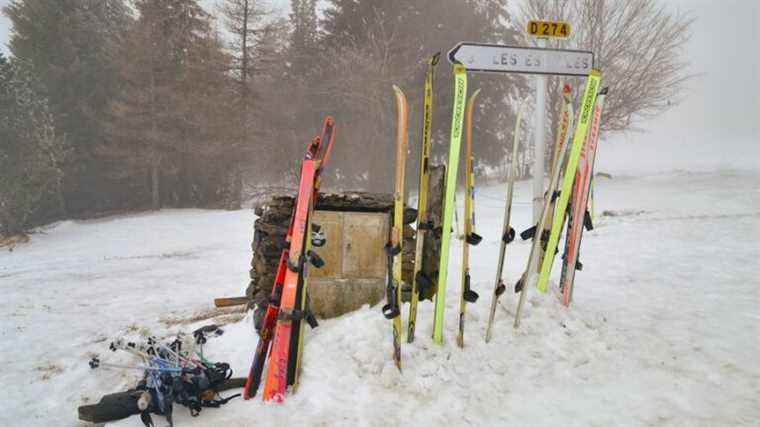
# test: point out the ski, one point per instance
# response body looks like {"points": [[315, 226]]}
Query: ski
{"points": [[253, 381], [589, 97], [566, 121], [460, 98], [507, 232], [392, 310], [328, 137], [470, 237], [584, 122], [277, 373], [535, 249], [419, 279], [280, 371], [580, 202]]}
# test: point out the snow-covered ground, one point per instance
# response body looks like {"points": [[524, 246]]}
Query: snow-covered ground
{"points": [[664, 328]]}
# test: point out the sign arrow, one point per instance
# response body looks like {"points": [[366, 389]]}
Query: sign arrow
{"points": [[494, 58]]}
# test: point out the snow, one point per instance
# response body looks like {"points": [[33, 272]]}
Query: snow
{"points": [[663, 330]]}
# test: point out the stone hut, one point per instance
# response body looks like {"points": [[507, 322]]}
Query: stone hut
{"points": [[356, 226]]}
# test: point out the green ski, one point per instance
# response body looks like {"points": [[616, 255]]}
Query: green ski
{"points": [[457, 118]]}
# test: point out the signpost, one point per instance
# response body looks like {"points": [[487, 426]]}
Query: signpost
{"points": [[493, 58]]}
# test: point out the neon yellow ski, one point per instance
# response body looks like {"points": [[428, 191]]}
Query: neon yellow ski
{"points": [[457, 119]]}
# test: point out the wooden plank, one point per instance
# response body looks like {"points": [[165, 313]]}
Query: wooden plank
{"points": [[230, 301]]}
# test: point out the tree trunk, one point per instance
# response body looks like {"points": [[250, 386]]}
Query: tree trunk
{"points": [[154, 184], [154, 162]]}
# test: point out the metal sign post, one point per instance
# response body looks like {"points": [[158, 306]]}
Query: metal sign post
{"points": [[542, 30], [538, 142]]}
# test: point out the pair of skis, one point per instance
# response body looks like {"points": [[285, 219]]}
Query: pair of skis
{"points": [[393, 249], [281, 335], [420, 281], [462, 109], [470, 237], [455, 143], [580, 217], [559, 198], [507, 233]]}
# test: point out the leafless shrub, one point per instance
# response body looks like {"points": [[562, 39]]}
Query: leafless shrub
{"points": [[639, 46]]}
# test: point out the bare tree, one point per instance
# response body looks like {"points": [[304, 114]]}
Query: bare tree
{"points": [[639, 46]]}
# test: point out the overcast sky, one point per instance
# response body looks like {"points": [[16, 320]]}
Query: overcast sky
{"points": [[717, 124]]}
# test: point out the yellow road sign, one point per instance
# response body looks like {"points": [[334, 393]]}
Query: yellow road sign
{"points": [[556, 29]]}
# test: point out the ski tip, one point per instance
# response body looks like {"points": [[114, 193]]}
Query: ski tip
{"points": [[453, 52], [435, 58], [399, 93]]}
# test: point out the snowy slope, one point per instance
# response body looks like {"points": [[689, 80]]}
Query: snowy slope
{"points": [[79, 284], [663, 330]]}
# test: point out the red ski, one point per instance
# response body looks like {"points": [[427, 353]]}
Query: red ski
{"points": [[290, 311], [267, 331], [579, 214]]}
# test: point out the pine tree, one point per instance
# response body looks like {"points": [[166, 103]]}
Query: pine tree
{"points": [[69, 46], [173, 122], [304, 36], [30, 153], [375, 44]]}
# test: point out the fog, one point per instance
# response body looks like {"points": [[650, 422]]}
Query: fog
{"points": [[716, 125]]}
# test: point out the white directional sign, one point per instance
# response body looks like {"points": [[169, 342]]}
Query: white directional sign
{"points": [[531, 60]]}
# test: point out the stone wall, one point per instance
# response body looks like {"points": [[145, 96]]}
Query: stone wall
{"points": [[274, 218]]}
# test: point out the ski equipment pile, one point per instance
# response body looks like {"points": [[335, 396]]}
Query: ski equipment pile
{"points": [[580, 131], [420, 280], [457, 118], [393, 249]]}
